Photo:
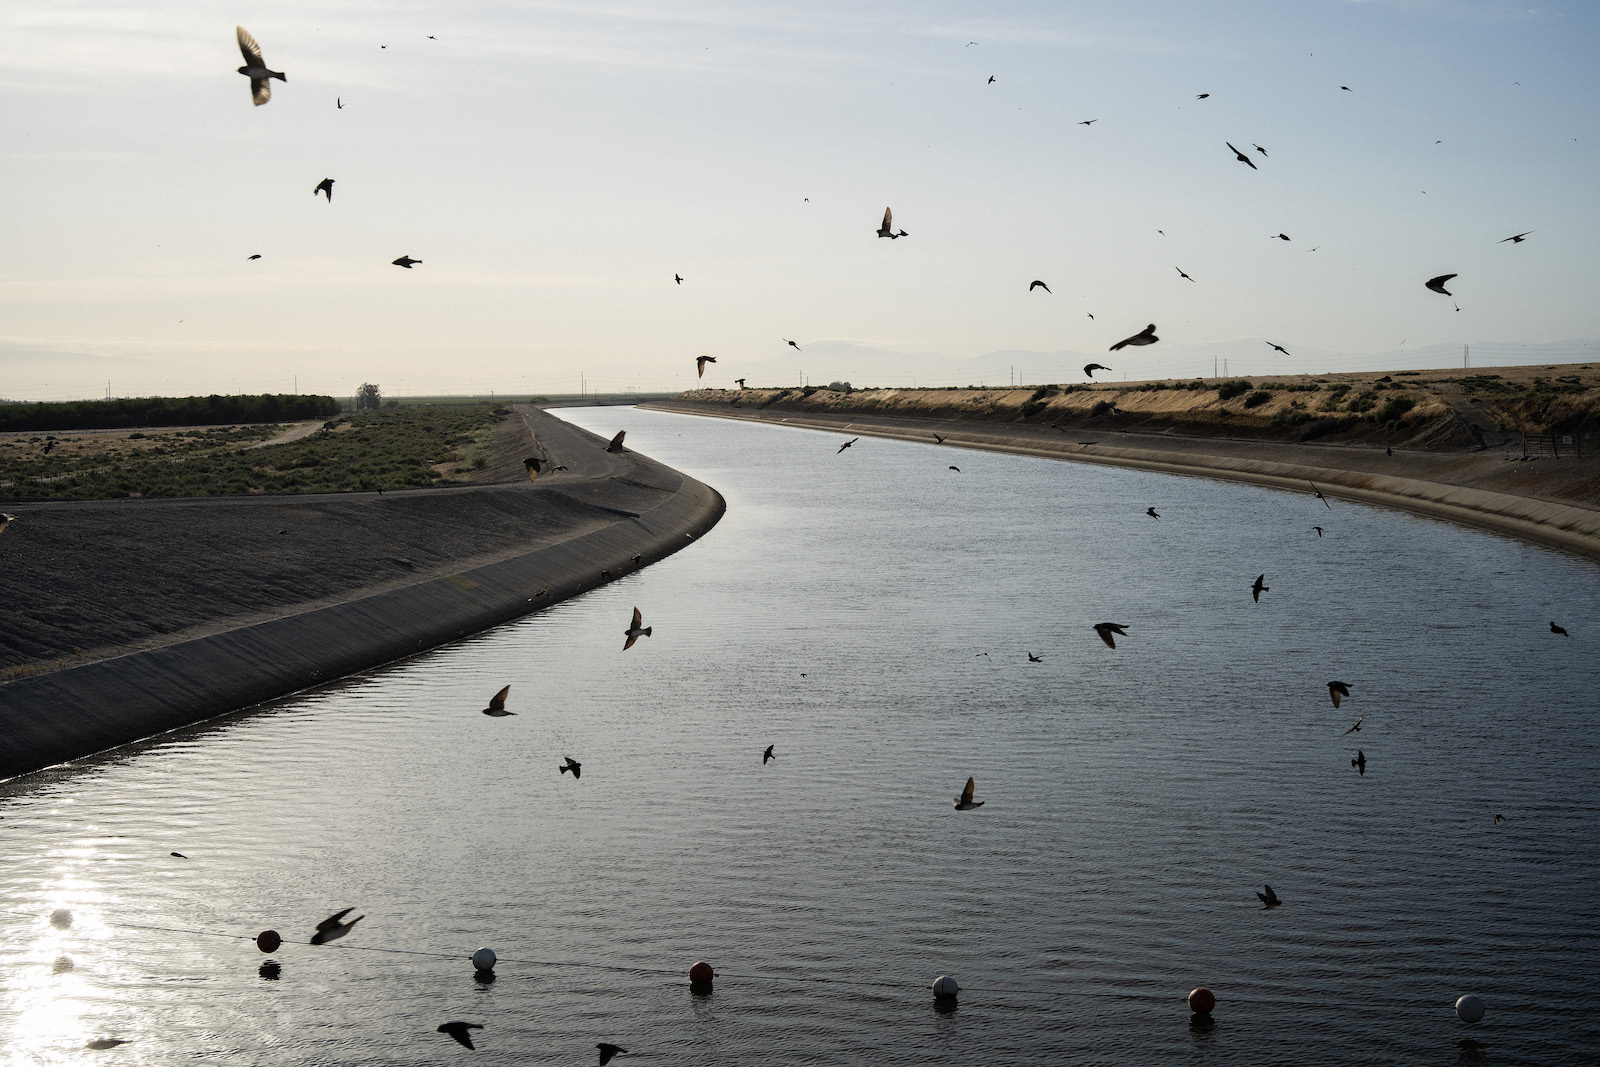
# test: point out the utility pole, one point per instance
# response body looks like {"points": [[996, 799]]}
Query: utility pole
{"points": [[1224, 368], [1213, 366], [1466, 355]]}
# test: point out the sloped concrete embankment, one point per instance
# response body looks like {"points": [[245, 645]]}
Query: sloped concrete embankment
{"points": [[81, 710], [1565, 526]]}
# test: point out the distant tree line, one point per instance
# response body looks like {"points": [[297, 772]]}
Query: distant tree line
{"points": [[165, 411]]}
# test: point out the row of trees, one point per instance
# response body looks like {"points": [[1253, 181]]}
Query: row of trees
{"points": [[211, 410]]}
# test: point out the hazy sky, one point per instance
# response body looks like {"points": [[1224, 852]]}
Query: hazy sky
{"points": [[554, 164]]}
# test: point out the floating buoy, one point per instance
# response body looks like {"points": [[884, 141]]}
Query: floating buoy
{"points": [[1469, 1009], [1202, 1001], [945, 987], [484, 959], [700, 976], [61, 918], [268, 941]]}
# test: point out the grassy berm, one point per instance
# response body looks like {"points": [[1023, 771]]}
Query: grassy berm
{"points": [[398, 448], [1437, 410]]}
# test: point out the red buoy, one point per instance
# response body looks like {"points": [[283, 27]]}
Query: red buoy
{"points": [[268, 941], [701, 974], [1201, 1001]]}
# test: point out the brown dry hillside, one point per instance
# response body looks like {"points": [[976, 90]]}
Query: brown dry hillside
{"points": [[1434, 410]]}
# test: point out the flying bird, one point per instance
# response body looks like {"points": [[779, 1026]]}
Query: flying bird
{"points": [[1515, 239], [255, 68], [956, 469], [937, 439], [1258, 148], [334, 927], [179, 855], [791, 344], [1242, 158], [325, 186], [636, 630], [847, 444], [1356, 728], [608, 1050], [1336, 690], [1037, 284], [1562, 630], [1260, 587], [700, 365], [6, 519], [1318, 529], [1034, 659], [1360, 762], [256, 256], [1090, 122], [1181, 274], [1152, 513], [887, 229], [1347, 88], [768, 755], [1437, 284], [739, 382], [497, 704], [1280, 348], [404, 261], [458, 1030], [991, 80], [1318, 494], [1146, 336], [571, 765], [964, 802], [678, 278], [1269, 898], [1106, 629], [616, 442], [338, 102], [532, 463], [1089, 370], [1202, 96], [1278, 237]]}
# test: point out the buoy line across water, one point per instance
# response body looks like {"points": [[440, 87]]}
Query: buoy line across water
{"points": [[1470, 1008]]}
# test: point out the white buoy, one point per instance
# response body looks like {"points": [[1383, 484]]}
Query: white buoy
{"points": [[1469, 1009], [484, 959], [945, 986]]}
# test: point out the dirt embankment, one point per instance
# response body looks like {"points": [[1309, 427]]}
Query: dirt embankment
{"points": [[1431, 410]]}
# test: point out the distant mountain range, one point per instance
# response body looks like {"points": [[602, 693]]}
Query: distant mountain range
{"points": [[825, 361]]}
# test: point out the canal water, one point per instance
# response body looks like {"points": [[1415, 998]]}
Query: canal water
{"points": [[869, 614]]}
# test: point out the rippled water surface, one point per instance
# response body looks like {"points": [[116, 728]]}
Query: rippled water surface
{"points": [[868, 614]]}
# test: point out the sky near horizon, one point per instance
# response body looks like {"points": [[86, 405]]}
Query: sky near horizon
{"points": [[554, 164]]}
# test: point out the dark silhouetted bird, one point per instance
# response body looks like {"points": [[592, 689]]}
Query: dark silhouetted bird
{"points": [[1089, 369], [1034, 659], [1562, 630], [458, 1030], [887, 229], [991, 80], [1088, 122], [1258, 148], [1037, 284], [255, 68], [1260, 587], [532, 465], [334, 927], [616, 442], [1280, 348], [1355, 727], [1181, 274], [338, 102], [1269, 898], [1152, 513], [497, 704], [700, 365], [739, 382], [1106, 629], [1347, 88], [678, 278], [964, 802], [791, 344], [1318, 529], [1146, 336], [1318, 494], [1515, 239], [256, 256], [407, 262], [571, 765], [6, 519], [1498, 819], [608, 1050], [1202, 96], [955, 468], [847, 444], [1242, 158], [1278, 237], [1437, 284], [179, 855], [938, 440], [768, 755], [325, 186], [1337, 691], [636, 630], [1360, 762]]}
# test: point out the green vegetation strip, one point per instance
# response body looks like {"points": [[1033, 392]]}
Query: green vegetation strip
{"points": [[392, 449], [164, 411]]}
